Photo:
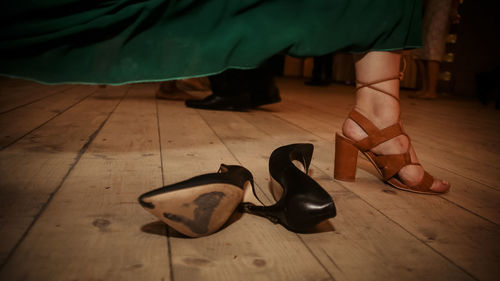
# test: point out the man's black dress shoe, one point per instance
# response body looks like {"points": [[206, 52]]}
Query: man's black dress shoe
{"points": [[241, 101], [268, 96], [218, 102], [239, 89]]}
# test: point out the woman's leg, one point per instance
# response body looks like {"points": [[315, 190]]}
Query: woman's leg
{"points": [[432, 78], [384, 111]]}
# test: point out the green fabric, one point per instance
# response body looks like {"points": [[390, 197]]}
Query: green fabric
{"points": [[120, 41]]}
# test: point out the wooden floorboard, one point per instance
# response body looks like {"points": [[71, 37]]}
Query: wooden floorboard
{"points": [[16, 93], [427, 213], [483, 201], [377, 238], [76, 158], [18, 122], [466, 147], [249, 246], [384, 194], [94, 217], [34, 167]]}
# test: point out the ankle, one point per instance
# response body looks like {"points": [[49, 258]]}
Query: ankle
{"points": [[382, 111]]}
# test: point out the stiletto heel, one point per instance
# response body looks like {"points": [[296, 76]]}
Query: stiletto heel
{"points": [[346, 158], [303, 202], [200, 205]]}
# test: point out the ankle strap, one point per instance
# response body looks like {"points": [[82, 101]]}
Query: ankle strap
{"points": [[370, 85], [400, 77]]}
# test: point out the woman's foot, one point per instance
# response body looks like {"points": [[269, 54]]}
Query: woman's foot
{"points": [[377, 107], [377, 99], [168, 90], [410, 175]]}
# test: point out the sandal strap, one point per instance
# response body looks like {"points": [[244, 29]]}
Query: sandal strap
{"points": [[375, 136], [425, 184], [399, 77], [381, 136], [390, 165], [363, 122], [370, 85]]}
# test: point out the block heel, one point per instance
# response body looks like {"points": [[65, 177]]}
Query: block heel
{"points": [[346, 158], [388, 165]]}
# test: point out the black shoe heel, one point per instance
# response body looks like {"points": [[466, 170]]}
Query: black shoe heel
{"points": [[200, 205], [303, 203]]}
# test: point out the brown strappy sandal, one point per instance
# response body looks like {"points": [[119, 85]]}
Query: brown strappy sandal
{"points": [[346, 151]]}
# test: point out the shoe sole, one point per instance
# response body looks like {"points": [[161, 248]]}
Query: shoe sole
{"points": [[196, 211]]}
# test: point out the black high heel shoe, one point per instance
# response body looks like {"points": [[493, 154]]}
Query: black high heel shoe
{"points": [[200, 205], [303, 203]]}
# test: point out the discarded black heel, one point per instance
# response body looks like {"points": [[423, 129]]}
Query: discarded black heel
{"points": [[200, 205], [303, 202]]}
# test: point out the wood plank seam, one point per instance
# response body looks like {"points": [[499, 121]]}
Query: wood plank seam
{"points": [[316, 257], [461, 174], [270, 134], [416, 237], [169, 248], [373, 207], [300, 128], [331, 259], [234, 156], [409, 114], [36, 100], [470, 211], [469, 178], [393, 221], [399, 225], [266, 196], [50, 119], [454, 203], [52, 194], [267, 228], [428, 164]]}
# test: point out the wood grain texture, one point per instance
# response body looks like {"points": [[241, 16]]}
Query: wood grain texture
{"points": [[376, 239], [451, 131], [68, 189], [483, 201], [15, 93], [18, 122], [249, 247], [94, 218], [476, 252], [34, 167]]}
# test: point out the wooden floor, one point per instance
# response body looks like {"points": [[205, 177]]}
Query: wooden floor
{"points": [[73, 160]]}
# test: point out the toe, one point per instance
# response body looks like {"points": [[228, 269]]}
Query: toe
{"points": [[440, 186]]}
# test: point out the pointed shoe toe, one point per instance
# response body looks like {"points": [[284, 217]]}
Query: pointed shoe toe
{"points": [[302, 203]]}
